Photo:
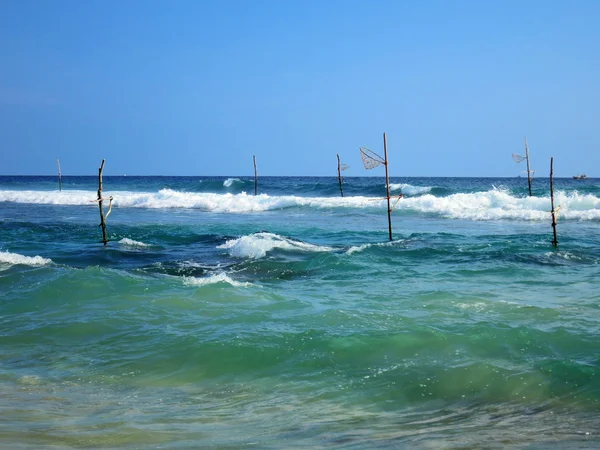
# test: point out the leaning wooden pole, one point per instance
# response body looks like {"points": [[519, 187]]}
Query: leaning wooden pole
{"points": [[387, 184], [340, 175], [528, 169], [102, 218], [553, 212], [255, 176], [59, 175]]}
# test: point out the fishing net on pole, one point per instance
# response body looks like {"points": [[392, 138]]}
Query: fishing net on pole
{"points": [[370, 158], [342, 167], [518, 158]]}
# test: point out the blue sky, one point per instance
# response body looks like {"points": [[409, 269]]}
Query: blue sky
{"points": [[198, 87]]}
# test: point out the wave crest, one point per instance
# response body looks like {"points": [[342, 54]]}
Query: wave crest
{"points": [[363, 247], [230, 181], [499, 204], [257, 245], [15, 258], [214, 279], [408, 189], [495, 204], [131, 243]]}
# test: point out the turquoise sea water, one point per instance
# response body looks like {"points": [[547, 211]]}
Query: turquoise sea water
{"points": [[222, 320]]}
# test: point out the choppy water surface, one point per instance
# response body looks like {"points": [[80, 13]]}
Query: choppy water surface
{"points": [[219, 319]]}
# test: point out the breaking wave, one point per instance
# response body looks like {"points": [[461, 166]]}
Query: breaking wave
{"points": [[259, 244], [15, 258], [494, 204], [363, 247], [408, 189], [230, 181], [499, 204], [131, 243], [214, 279]]}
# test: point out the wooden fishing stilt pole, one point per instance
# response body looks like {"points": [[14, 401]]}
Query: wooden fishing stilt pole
{"points": [[371, 160], [102, 218], [528, 170], [59, 176], [255, 176], [554, 241], [340, 175], [387, 184]]}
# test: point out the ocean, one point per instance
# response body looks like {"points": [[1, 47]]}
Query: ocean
{"points": [[218, 319]]}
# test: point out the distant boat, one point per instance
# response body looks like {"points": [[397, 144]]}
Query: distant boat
{"points": [[583, 176]]}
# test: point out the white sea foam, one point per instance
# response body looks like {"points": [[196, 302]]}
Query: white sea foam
{"points": [[552, 256], [477, 306], [493, 204], [229, 181], [500, 204], [197, 265], [257, 245], [15, 258], [409, 189], [50, 197], [168, 198], [214, 279], [31, 380], [363, 247], [131, 243]]}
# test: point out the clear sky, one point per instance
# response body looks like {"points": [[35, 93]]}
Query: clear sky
{"points": [[197, 87]]}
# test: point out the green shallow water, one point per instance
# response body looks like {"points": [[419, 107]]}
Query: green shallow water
{"points": [[297, 328]]}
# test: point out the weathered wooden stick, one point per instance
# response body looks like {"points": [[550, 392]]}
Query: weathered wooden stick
{"points": [[255, 176], [387, 184], [340, 174], [59, 176], [528, 170], [554, 241], [102, 218]]}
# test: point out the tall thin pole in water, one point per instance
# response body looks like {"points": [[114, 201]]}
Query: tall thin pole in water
{"points": [[59, 175], [255, 176], [387, 184], [528, 170], [102, 218], [554, 241], [340, 174]]}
